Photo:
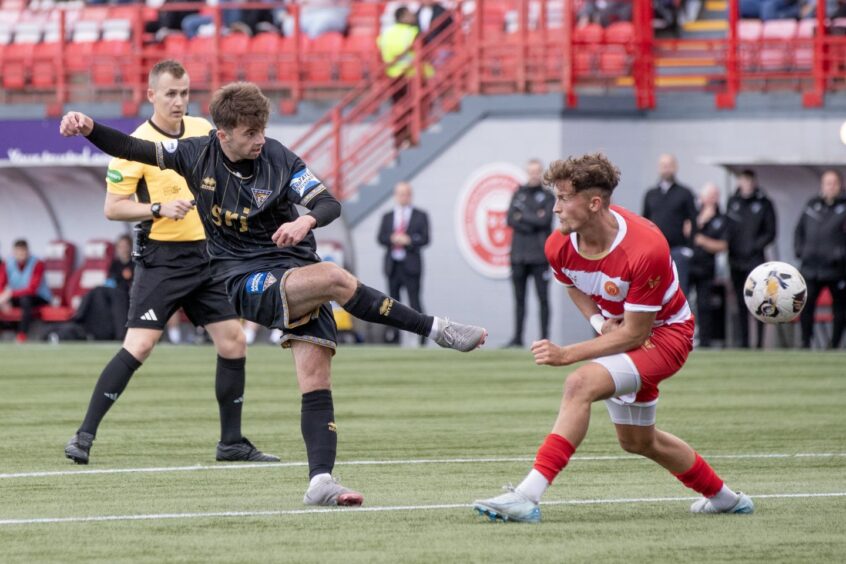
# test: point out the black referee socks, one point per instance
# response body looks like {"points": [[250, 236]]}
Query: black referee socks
{"points": [[229, 389], [372, 305], [110, 386], [317, 422]]}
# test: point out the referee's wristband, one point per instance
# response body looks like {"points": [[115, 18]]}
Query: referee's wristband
{"points": [[596, 321]]}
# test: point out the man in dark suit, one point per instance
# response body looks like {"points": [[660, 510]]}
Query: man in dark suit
{"points": [[403, 232], [671, 206]]}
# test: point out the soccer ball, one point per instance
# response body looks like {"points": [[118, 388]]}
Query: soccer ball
{"points": [[775, 292]]}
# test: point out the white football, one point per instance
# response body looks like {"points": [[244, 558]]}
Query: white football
{"points": [[775, 292]]}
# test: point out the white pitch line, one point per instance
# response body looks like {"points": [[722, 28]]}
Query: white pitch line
{"points": [[238, 466], [378, 509]]}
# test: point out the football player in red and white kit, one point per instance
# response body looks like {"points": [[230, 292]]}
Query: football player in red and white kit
{"points": [[617, 269]]}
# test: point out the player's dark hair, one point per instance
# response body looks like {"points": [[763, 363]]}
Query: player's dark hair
{"points": [[748, 173], [239, 103], [168, 66], [20, 244], [401, 13], [585, 173]]}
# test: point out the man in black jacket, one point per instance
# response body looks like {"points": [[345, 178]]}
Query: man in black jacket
{"points": [[709, 240], [820, 243], [671, 207], [752, 227], [530, 216], [404, 232]]}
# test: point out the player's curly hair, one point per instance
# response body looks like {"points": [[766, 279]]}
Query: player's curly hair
{"points": [[239, 103], [584, 173]]}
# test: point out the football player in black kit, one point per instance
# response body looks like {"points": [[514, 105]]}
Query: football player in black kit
{"points": [[246, 187]]}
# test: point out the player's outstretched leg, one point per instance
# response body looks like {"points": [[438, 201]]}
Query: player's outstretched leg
{"points": [[372, 305]]}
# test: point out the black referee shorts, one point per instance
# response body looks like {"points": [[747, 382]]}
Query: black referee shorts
{"points": [[171, 275], [260, 297]]}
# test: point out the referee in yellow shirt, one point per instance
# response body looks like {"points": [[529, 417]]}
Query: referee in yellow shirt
{"points": [[172, 272]]}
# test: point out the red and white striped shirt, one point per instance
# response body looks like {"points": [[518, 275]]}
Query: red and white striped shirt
{"points": [[635, 274]]}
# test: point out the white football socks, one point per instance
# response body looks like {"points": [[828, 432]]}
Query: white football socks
{"points": [[533, 486], [725, 499]]}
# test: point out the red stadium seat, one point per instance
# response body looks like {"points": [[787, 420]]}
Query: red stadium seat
{"points": [[286, 63], [321, 55], [17, 58], [359, 58], [45, 65], [233, 48], [78, 56], [112, 63], [263, 49], [58, 271], [199, 59], [590, 33]]}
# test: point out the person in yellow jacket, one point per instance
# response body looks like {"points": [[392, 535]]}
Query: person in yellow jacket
{"points": [[395, 45]]}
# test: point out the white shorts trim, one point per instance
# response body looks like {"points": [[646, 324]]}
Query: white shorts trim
{"points": [[640, 414], [622, 408], [624, 373]]}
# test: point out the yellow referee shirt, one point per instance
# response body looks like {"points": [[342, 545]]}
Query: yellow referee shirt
{"points": [[151, 184]]}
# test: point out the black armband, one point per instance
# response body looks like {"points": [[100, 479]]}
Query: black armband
{"points": [[324, 208], [121, 145]]}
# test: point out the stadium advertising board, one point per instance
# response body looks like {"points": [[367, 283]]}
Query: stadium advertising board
{"points": [[38, 143]]}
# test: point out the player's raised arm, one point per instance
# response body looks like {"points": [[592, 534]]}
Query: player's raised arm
{"points": [[110, 141]]}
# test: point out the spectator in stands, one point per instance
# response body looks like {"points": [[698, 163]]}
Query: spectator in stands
{"points": [[25, 286], [820, 245], [780, 9], [671, 206], [403, 232], [234, 19], [710, 239], [395, 45], [430, 12], [171, 20], [319, 16], [604, 12], [530, 216], [101, 315], [751, 228]]}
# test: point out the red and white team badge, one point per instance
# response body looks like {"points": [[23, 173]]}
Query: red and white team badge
{"points": [[481, 214]]}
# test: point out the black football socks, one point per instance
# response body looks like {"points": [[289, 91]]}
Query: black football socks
{"points": [[372, 305], [317, 422], [109, 387], [229, 390]]}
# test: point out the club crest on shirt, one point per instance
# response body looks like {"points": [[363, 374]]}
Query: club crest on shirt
{"points": [[261, 195], [208, 183], [611, 288], [652, 282]]}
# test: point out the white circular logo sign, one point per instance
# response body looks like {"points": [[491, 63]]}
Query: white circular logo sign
{"points": [[481, 218]]}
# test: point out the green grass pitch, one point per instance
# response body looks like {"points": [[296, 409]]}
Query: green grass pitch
{"points": [[439, 429]]}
